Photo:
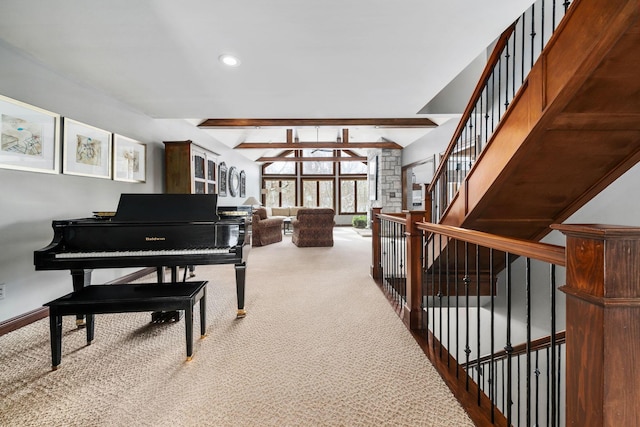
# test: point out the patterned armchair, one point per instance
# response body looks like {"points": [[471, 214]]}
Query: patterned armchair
{"points": [[265, 231], [313, 227]]}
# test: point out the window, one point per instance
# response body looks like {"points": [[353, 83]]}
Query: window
{"points": [[353, 167], [279, 192], [317, 193], [323, 183], [319, 167], [280, 168], [353, 196]]}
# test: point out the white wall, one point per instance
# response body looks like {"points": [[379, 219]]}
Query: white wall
{"points": [[433, 143], [29, 201]]}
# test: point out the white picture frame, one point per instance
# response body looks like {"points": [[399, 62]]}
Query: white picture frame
{"points": [[129, 159], [86, 150], [30, 137]]}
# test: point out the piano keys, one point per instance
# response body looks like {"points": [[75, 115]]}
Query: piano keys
{"points": [[150, 230]]}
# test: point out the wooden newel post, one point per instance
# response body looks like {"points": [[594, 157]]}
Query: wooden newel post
{"points": [[603, 325], [428, 204], [412, 311], [375, 245]]}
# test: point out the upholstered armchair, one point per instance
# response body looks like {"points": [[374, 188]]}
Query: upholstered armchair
{"points": [[265, 231], [313, 227]]}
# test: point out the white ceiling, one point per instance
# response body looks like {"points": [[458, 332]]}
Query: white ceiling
{"points": [[299, 59]]}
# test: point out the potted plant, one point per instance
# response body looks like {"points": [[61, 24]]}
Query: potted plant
{"points": [[359, 221]]}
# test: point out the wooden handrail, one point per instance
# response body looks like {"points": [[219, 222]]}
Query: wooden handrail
{"points": [[484, 77], [398, 218], [539, 344], [553, 254]]}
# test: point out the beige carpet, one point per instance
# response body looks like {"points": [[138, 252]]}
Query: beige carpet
{"points": [[320, 346]]}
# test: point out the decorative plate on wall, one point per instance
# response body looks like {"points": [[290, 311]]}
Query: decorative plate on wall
{"points": [[243, 184], [222, 170], [234, 181]]}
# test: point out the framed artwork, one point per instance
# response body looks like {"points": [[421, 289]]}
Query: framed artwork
{"points": [[373, 178], [30, 137], [86, 150], [222, 180], [234, 181], [243, 184], [129, 160]]}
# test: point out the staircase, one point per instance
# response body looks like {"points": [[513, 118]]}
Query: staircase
{"points": [[571, 130]]}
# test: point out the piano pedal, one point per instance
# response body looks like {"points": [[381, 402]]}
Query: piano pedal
{"points": [[166, 316]]}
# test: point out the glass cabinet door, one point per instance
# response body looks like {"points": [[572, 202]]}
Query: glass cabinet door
{"points": [[204, 172], [198, 166]]}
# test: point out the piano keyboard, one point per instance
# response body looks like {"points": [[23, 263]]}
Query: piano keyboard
{"points": [[171, 252]]}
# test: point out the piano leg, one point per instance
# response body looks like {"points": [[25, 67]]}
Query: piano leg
{"points": [[55, 328], [80, 278], [160, 274], [240, 274]]}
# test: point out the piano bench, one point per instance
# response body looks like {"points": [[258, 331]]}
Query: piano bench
{"points": [[99, 299]]}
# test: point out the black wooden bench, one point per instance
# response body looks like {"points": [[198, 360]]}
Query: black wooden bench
{"points": [[98, 299]]}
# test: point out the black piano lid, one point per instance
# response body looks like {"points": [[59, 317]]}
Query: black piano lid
{"points": [[167, 207]]}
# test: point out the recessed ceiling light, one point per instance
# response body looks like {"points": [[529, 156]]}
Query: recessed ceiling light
{"points": [[229, 60]]}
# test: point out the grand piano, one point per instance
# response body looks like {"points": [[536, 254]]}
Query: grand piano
{"points": [[150, 230]]}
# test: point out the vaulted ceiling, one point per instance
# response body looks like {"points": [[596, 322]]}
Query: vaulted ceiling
{"points": [[331, 59]]}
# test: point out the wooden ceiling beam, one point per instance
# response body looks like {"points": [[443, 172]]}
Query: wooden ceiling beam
{"points": [[315, 145], [351, 153], [312, 159], [252, 123]]}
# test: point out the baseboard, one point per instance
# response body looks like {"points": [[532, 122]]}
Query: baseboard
{"points": [[133, 276], [25, 319]]}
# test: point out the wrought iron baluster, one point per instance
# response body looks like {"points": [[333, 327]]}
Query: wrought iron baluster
{"points": [[536, 372], [457, 286], [467, 281], [479, 142], [433, 290], [519, 397], [542, 40], [559, 383], [514, 56], [394, 260], [478, 325], [499, 66], [440, 292], [508, 347], [486, 115], [549, 377], [533, 34], [447, 283], [506, 74], [492, 377], [528, 326], [553, 384], [402, 265], [424, 282], [493, 95], [523, 75]]}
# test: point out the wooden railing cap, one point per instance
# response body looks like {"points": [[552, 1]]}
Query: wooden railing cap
{"points": [[603, 231]]}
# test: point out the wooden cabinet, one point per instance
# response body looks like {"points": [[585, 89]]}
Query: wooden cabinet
{"points": [[189, 168]]}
